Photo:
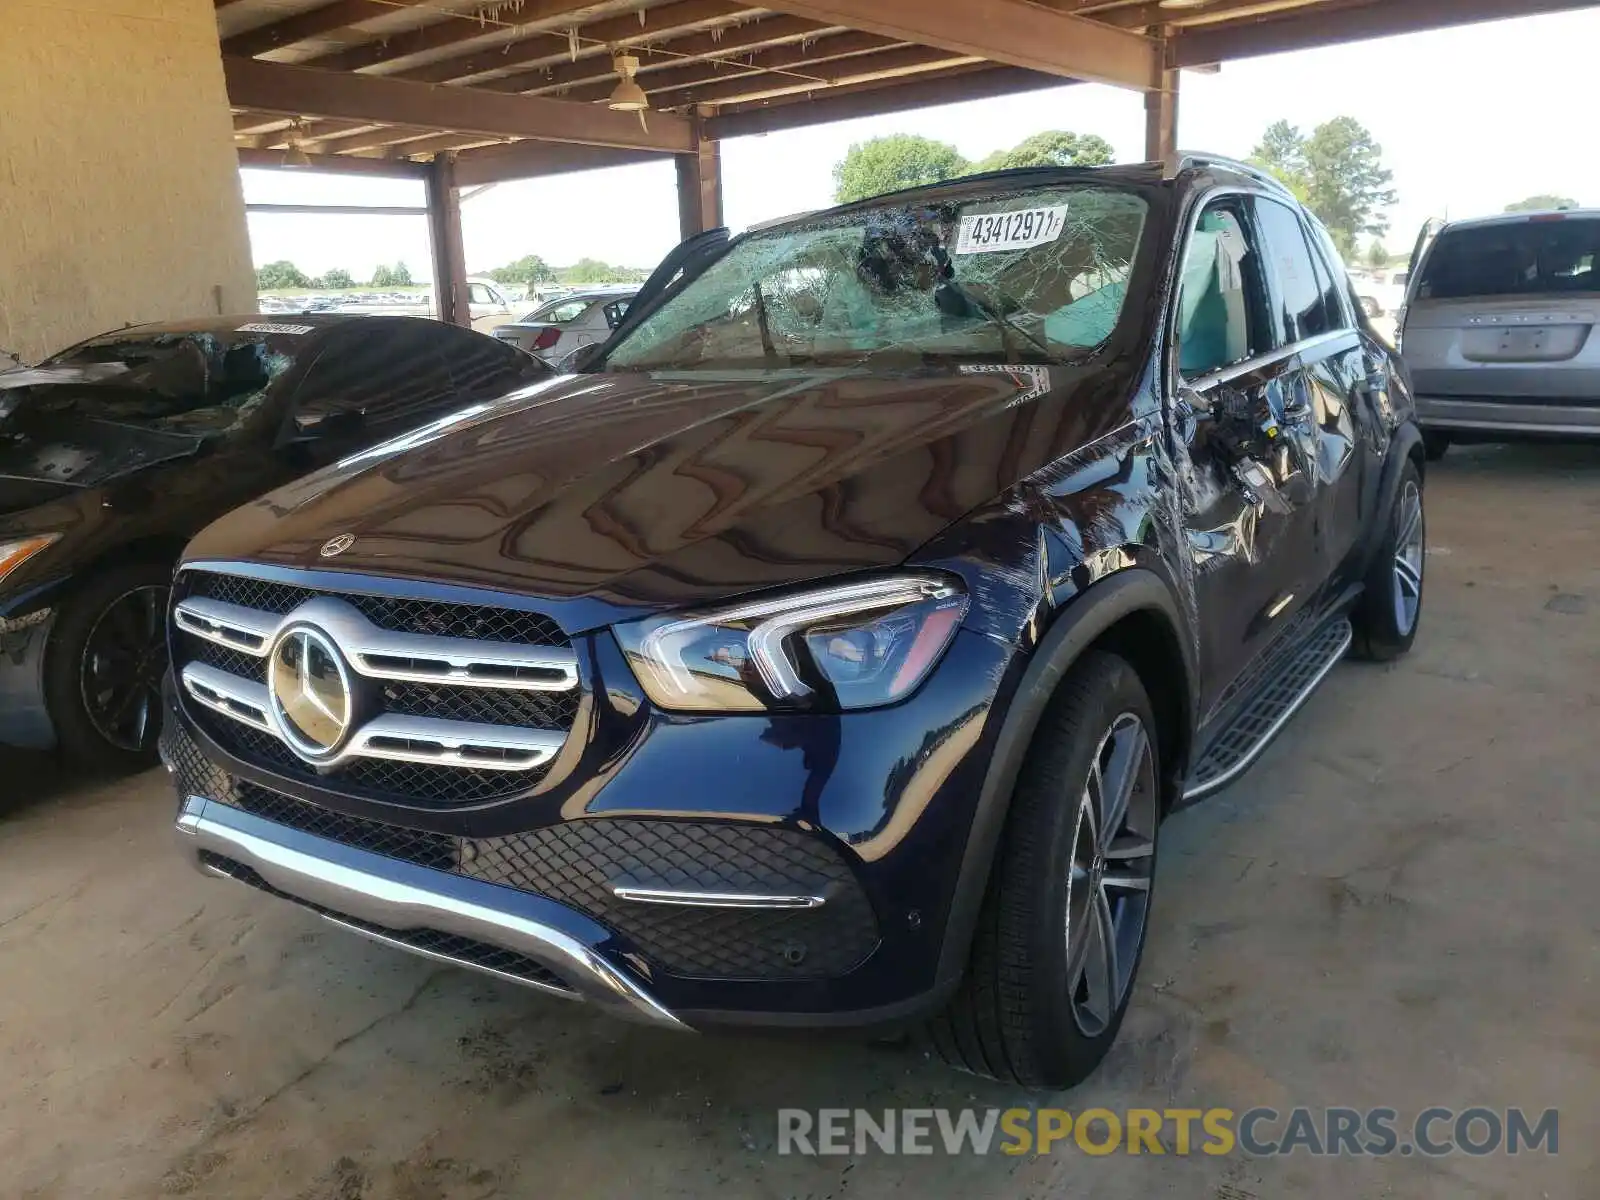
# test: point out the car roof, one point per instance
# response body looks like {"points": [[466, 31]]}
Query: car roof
{"points": [[1521, 218]]}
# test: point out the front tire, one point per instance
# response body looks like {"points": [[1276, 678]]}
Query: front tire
{"points": [[1063, 924], [1390, 609], [103, 668]]}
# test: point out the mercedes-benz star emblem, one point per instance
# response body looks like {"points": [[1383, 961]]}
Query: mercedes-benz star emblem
{"points": [[337, 545], [310, 692]]}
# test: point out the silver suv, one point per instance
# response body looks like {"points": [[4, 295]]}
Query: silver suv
{"points": [[1497, 329]]}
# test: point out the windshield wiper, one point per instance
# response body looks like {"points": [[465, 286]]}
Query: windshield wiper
{"points": [[1001, 321]]}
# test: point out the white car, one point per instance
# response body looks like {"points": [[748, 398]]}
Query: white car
{"points": [[558, 327], [1381, 292]]}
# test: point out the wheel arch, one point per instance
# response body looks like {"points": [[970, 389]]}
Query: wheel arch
{"points": [[1132, 613], [1405, 447]]}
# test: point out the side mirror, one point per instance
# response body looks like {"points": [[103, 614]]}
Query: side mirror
{"points": [[580, 360]]}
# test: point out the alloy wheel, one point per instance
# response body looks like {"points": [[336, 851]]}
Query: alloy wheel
{"points": [[1108, 885], [1408, 559], [124, 659]]}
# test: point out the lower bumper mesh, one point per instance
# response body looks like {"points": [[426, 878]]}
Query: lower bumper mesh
{"points": [[578, 863]]}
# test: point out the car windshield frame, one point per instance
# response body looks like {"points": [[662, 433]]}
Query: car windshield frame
{"points": [[1033, 270]]}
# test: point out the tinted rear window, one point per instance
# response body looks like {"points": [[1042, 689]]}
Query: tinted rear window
{"points": [[1526, 258]]}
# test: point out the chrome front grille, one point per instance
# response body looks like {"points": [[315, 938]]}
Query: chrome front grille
{"points": [[447, 702]]}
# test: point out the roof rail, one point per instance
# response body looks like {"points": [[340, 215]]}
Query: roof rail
{"points": [[1188, 159]]}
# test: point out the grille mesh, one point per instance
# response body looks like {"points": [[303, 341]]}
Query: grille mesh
{"points": [[433, 617]]}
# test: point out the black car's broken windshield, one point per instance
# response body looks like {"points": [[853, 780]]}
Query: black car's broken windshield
{"points": [[192, 383], [1020, 275]]}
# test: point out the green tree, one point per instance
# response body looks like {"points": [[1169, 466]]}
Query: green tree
{"points": [[382, 276], [1053, 148], [530, 268], [338, 277], [1337, 172], [589, 270], [280, 274], [887, 164], [1545, 203], [401, 275], [1377, 256]]}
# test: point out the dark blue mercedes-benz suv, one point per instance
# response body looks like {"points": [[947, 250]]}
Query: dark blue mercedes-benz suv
{"points": [[830, 651]]}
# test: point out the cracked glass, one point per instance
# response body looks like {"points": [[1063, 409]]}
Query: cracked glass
{"points": [[1018, 275]]}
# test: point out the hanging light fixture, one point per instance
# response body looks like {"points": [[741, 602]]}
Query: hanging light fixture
{"points": [[295, 156], [627, 96]]}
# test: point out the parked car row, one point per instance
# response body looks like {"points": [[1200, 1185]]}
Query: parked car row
{"points": [[827, 652], [564, 324]]}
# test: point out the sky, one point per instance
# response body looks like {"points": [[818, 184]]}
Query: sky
{"points": [[1470, 120]]}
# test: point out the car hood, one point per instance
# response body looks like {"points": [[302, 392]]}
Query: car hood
{"points": [[630, 492], [51, 459]]}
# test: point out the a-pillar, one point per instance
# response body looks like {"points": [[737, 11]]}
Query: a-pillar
{"points": [[1161, 120], [449, 250], [700, 188]]}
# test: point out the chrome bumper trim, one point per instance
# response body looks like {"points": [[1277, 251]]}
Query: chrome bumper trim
{"points": [[715, 899], [382, 891]]}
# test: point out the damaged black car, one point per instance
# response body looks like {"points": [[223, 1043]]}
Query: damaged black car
{"points": [[116, 451], [832, 650]]}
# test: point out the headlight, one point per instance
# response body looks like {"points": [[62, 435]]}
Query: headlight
{"points": [[854, 645], [14, 554]]}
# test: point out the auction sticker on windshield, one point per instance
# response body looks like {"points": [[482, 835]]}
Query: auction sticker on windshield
{"points": [[274, 327], [984, 233]]}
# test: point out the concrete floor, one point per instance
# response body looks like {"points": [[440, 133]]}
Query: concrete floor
{"points": [[1398, 907]]}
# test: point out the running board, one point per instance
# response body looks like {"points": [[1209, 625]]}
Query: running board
{"points": [[1236, 749]]}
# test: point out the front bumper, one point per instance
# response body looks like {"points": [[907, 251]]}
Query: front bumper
{"points": [[546, 945], [1489, 415], [24, 718]]}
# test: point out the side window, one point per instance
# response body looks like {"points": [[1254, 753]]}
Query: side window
{"points": [[381, 375], [1300, 301], [481, 295], [1220, 297], [1335, 281]]}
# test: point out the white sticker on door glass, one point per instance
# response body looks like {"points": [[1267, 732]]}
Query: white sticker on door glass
{"points": [[1020, 229]]}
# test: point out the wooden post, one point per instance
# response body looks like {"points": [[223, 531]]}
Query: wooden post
{"points": [[449, 251], [1161, 120], [700, 187]]}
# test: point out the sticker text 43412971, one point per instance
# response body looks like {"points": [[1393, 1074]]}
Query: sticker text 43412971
{"points": [[984, 233]]}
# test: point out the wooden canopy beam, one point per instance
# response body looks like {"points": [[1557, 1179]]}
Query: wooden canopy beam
{"points": [[680, 53], [620, 32], [450, 31], [1306, 28], [304, 26], [1013, 32], [869, 99], [337, 164], [881, 69], [273, 87], [819, 62], [530, 160]]}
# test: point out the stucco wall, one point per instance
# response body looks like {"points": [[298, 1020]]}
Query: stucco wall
{"points": [[119, 187]]}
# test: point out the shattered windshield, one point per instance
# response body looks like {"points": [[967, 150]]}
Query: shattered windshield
{"points": [[192, 383], [1021, 275]]}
